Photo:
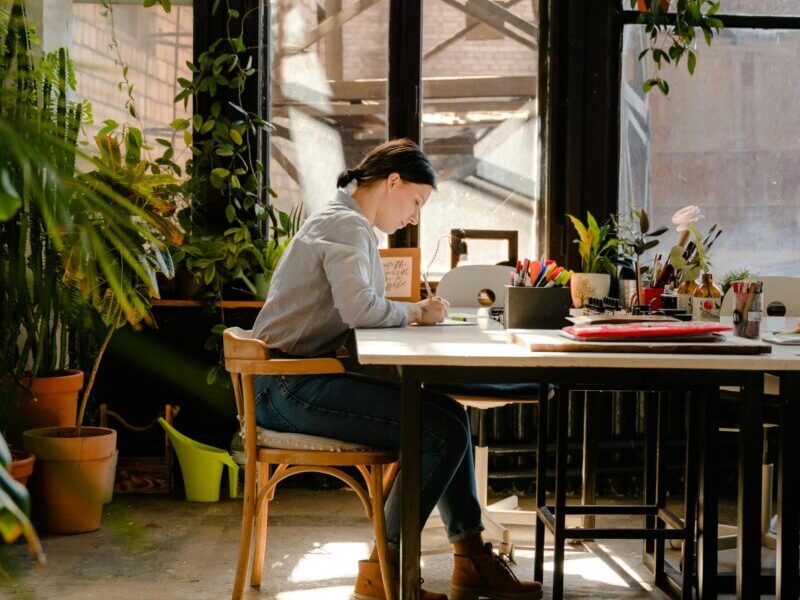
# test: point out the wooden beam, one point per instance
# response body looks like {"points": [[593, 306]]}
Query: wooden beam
{"points": [[454, 38], [334, 45], [332, 23], [436, 88], [493, 20]]}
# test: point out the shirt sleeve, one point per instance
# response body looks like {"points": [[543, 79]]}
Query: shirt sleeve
{"points": [[346, 261]]}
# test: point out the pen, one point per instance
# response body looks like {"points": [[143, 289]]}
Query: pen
{"points": [[457, 318], [427, 285]]}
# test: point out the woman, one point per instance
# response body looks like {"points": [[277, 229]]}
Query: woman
{"points": [[330, 281]]}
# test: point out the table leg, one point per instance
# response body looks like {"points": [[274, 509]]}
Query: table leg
{"points": [[659, 551], [786, 566], [650, 448], [748, 547], [589, 467], [541, 481], [561, 491], [410, 474], [708, 501], [690, 493]]}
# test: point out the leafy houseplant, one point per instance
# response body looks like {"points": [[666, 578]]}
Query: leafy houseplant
{"points": [[597, 249], [71, 243], [672, 35], [635, 238]]}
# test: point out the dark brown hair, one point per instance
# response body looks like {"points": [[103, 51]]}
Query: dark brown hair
{"points": [[401, 156]]}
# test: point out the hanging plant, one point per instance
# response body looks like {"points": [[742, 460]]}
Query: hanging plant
{"points": [[673, 35]]}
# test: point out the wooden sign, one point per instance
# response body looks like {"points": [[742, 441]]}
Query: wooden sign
{"points": [[401, 269]]}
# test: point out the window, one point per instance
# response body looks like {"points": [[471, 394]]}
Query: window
{"points": [[330, 63], [789, 8], [155, 45], [480, 126], [727, 140]]}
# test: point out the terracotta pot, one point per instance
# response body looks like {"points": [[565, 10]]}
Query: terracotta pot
{"points": [[21, 465], [588, 285], [53, 402], [71, 478]]}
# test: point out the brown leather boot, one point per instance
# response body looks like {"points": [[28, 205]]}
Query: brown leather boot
{"points": [[369, 584], [486, 575]]}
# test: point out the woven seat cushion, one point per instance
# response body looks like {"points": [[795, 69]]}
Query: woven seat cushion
{"points": [[267, 438], [515, 391]]}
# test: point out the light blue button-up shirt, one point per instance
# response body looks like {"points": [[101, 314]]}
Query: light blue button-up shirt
{"points": [[329, 280]]}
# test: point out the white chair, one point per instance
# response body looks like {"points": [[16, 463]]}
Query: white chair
{"points": [[483, 286], [780, 297]]}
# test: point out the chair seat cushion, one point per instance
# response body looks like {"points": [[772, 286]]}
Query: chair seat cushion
{"points": [[267, 438], [516, 391]]}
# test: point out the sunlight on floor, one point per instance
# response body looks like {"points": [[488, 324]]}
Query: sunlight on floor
{"points": [[329, 561], [338, 592]]}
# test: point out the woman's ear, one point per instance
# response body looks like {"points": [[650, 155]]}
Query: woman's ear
{"points": [[392, 181]]}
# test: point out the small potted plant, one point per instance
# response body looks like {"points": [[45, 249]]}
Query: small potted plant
{"points": [[672, 35], [634, 239], [597, 248], [15, 507]]}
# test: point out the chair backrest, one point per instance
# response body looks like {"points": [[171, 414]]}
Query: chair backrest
{"points": [[779, 293], [246, 356], [463, 285]]}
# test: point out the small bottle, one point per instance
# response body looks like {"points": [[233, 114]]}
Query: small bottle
{"points": [[685, 292], [707, 300]]}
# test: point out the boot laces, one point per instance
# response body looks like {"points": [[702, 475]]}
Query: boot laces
{"points": [[500, 563]]}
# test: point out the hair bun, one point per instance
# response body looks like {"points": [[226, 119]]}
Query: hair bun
{"points": [[347, 176]]}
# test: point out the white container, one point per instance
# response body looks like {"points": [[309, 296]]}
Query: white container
{"points": [[588, 285]]}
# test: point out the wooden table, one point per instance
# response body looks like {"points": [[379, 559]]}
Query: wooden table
{"points": [[483, 353]]}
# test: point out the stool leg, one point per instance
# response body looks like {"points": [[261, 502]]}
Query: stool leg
{"points": [[262, 515], [379, 524]]}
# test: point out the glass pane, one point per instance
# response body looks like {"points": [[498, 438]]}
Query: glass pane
{"points": [[328, 94], [726, 140], [480, 126], [760, 7], [155, 45]]}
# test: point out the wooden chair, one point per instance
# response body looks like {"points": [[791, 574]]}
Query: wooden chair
{"points": [[267, 465]]}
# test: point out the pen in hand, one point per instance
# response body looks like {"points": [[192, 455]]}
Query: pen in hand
{"points": [[427, 285]]}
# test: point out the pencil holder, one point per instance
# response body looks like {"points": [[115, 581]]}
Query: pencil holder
{"points": [[537, 308]]}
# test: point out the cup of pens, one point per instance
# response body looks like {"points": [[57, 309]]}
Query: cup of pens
{"points": [[536, 297], [747, 308]]}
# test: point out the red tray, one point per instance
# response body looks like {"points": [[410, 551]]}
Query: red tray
{"points": [[653, 330]]}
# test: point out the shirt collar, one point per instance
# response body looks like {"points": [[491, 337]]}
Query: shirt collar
{"points": [[348, 201]]}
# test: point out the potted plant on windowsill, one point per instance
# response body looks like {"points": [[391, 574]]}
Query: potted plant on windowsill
{"points": [[597, 247], [672, 35]]}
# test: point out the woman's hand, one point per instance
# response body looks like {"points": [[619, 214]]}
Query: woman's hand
{"points": [[428, 312]]}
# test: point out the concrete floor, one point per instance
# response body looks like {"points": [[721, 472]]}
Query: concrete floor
{"points": [[156, 547]]}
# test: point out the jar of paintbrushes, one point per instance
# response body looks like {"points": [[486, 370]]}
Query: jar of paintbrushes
{"points": [[747, 310]]}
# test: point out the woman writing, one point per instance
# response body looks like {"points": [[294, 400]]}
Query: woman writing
{"points": [[330, 281]]}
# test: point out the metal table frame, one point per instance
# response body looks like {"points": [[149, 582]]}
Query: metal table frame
{"points": [[702, 382]]}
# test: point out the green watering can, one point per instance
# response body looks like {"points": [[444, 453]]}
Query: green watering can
{"points": [[201, 466]]}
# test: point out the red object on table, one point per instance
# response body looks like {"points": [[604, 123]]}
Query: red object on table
{"points": [[641, 330]]}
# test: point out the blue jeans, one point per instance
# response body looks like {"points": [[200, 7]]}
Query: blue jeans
{"points": [[364, 410]]}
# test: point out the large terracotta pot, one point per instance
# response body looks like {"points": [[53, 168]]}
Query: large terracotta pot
{"points": [[71, 476], [53, 402], [21, 465], [588, 285]]}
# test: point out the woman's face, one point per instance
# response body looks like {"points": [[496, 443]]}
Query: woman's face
{"points": [[400, 204]]}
